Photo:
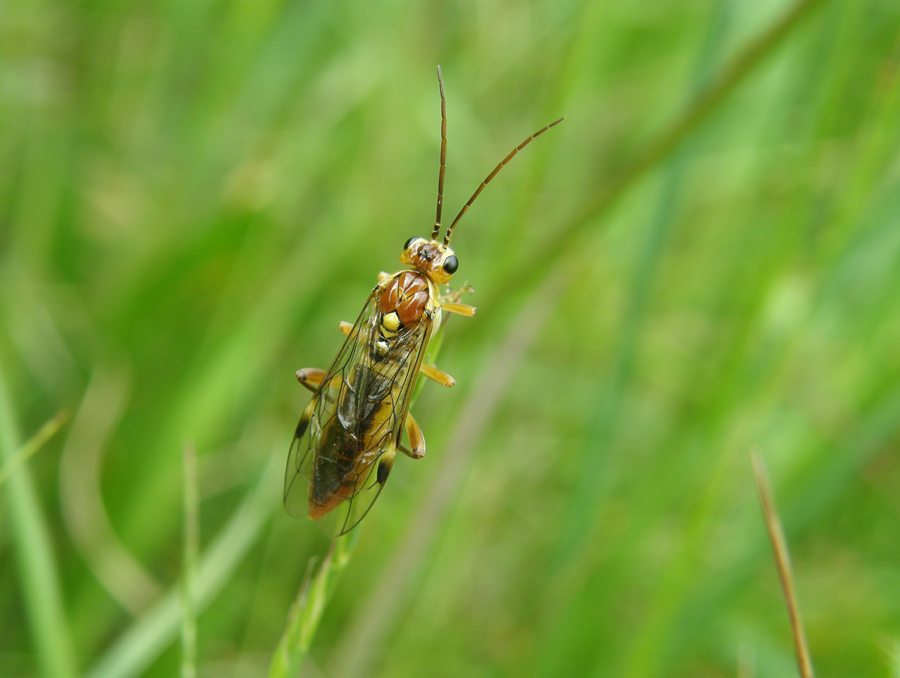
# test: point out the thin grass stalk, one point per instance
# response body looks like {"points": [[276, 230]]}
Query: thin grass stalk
{"points": [[783, 562], [38, 571]]}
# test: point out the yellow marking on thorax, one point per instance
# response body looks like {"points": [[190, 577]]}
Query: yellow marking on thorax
{"points": [[390, 323]]}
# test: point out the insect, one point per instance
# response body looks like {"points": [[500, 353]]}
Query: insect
{"points": [[348, 436]]}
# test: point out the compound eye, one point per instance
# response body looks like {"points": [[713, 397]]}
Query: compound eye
{"points": [[451, 263], [409, 242]]}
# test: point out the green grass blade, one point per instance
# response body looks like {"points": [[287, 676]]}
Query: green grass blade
{"points": [[38, 571]]}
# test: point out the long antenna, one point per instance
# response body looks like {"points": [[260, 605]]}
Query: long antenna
{"points": [[440, 198], [492, 175]]}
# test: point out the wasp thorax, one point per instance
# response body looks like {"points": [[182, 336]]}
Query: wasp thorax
{"points": [[432, 258], [403, 302]]}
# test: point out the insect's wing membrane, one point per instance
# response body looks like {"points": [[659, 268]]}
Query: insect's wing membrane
{"points": [[303, 461], [344, 446], [299, 462], [389, 385], [349, 512]]}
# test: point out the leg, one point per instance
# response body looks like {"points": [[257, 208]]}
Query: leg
{"points": [[416, 439], [310, 377], [461, 309], [437, 375], [345, 327]]}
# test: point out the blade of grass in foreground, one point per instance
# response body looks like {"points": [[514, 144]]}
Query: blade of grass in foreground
{"points": [[38, 572], [783, 561]]}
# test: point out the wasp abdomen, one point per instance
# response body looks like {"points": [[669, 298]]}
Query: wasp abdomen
{"points": [[403, 301]]}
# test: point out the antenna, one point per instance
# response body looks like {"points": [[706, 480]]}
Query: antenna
{"points": [[440, 198], [489, 176]]}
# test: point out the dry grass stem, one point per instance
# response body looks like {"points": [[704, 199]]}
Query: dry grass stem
{"points": [[783, 562]]}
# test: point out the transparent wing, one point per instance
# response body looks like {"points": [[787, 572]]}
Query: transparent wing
{"points": [[346, 440], [320, 412], [390, 391]]}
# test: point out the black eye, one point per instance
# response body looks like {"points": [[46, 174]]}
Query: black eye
{"points": [[451, 263], [409, 242]]}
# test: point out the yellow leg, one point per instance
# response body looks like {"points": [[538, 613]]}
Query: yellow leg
{"points": [[437, 375], [383, 275], [461, 309], [345, 327], [416, 439], [310, 377]]}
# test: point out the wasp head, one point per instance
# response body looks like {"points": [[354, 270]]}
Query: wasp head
{"points": [[432, 258]]}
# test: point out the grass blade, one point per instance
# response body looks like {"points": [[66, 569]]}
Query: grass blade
{"points": [[783, 561], [38, 572]]}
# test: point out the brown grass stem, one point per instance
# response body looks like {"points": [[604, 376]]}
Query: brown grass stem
{"points": [[783, 562]]}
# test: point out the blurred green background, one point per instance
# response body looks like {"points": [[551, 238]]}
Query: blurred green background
{"points": [[703, 259]]}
